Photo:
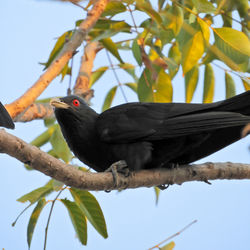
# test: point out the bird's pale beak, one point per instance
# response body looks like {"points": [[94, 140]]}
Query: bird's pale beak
{"points": [[57, 103]]}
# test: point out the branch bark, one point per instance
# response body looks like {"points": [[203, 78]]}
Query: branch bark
{"points": [[82, 81], [71, 176], [35, 111], [57, 65]]}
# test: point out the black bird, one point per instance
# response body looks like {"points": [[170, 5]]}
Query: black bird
{"points": [[5, 119], [150, 135]]}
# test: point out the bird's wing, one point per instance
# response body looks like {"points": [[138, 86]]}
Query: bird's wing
{"points": [[157, 121], [5, 119]]}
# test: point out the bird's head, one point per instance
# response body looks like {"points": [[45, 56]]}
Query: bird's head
{"points": [[71, 102], [72, 108]]}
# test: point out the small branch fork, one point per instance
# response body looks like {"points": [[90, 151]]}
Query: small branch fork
{"points": [[71, 176]]}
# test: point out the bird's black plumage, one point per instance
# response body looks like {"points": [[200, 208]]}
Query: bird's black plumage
{"points": [[150, 135], [5, 119]]}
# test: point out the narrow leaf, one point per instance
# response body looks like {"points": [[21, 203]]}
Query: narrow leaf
{"points": [[144, 90], [174, 55], [91, 209], [58, 46], [174, 17], [246, 84], [148, 9], [129, 68], [234, 38], [208, 92], [111, 47], [192, 52], [33, 219], [38, 193], [60, 146], [113, 8], [204, 6], [163, 89], [78, 220], [191, 80], [205, 31], [137, 52], [230, 86], [169, 246], [133, 86], [157, 194], [109, 98], [96, 75]]}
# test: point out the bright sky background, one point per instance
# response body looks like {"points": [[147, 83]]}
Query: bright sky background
{"points": [[28, 29]]}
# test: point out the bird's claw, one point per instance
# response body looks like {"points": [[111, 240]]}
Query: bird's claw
{"points": [[120, 167]]}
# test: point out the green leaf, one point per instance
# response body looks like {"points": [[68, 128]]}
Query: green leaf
{"points": [[227, 20], [192, 52], [38, 193], [174, 55], [204, 6], [169, 246], [109, 98], [60, 146], [65, 71], [49, 122], [246, 84], [174, 18], [233, 38], [137, 52], [44, 137], [205, 31], [162, 88], [191, 80], [148, 9], [111, 47], [78, 220], [129, 68], [230, 86], [157, 194], [58, 47], [133, 86], [96, 75], [208, 92], [113, 29], [144, 90], [91, 208], [57, 185], [33, 219], [113, 8], [242, 7], [227, 41]]}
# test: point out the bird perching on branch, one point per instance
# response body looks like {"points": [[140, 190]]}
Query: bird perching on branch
{"points": [[150, 135]]}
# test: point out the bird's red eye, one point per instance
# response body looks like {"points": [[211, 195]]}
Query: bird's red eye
{"points": [[76, 103]]}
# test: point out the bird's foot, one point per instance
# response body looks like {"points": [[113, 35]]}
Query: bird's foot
{"points": [[119, 167]]}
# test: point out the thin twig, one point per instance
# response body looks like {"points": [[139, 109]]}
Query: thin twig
{"points": [[70, 77], [116, 76], [13, 224], [239, 74], [50, 213], [174, 235]]}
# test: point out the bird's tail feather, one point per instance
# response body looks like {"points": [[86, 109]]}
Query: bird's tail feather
{"points": [[239, 103]]}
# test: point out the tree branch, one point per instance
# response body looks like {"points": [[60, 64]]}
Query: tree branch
{"points": [[82, 81], [57, 65], [71, 176], [35, 111]]}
